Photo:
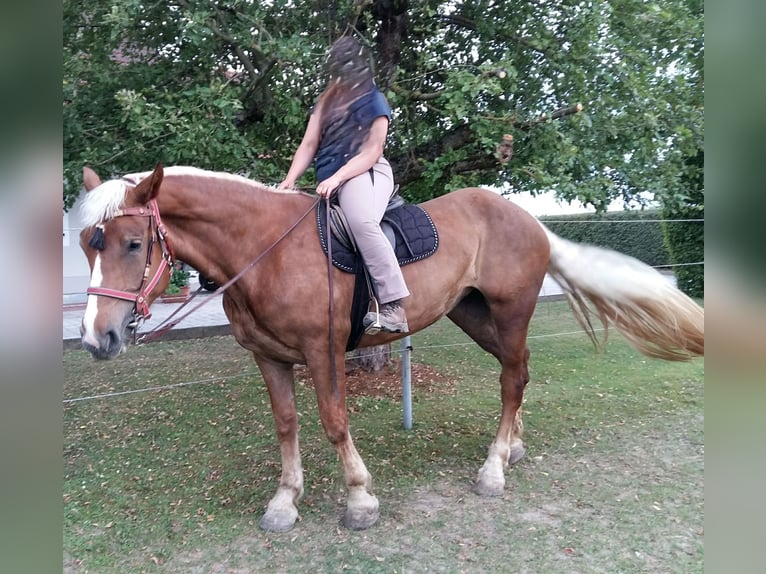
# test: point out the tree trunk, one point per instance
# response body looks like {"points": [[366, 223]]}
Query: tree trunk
{"points": [[370, 359]]}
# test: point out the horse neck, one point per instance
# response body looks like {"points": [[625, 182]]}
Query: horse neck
{"points": [[218, 224]]}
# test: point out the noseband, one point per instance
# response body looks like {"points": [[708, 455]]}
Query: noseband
{"points": [[157, 230]]}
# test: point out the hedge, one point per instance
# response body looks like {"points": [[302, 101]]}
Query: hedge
{"points": [[686, 240], [648, 236], [635, 233]]}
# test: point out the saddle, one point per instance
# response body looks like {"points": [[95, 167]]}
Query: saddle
{"points": [[410, 231]]}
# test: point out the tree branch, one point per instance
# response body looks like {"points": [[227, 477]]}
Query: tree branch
{"points": [[410, 166], [214, 25], [555, 115], [463, 22], [474, 163], [258, 71], [236, 46], [457, 20], [417, 95]]}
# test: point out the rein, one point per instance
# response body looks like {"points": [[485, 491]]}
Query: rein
{"points": [[141, 309], [330, 284]]}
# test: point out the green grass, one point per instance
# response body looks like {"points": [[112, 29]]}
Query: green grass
{"points": [[175, 480]]}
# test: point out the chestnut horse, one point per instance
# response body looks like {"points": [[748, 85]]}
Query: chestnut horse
{"points": [[485, 276]]}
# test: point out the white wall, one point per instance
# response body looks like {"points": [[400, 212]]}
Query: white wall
{"points": [[75, 265]]}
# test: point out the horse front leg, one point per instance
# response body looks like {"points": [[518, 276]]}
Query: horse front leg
{"points": [[508, 447], [282, 510], [361, 505]]}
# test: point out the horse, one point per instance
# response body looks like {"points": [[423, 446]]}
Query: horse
{"points": [[485, 276]]}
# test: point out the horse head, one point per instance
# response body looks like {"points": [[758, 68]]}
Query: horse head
{"points": [[129, 256]]}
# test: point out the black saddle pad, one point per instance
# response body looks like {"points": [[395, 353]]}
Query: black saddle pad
{"points": [[415, 236]]}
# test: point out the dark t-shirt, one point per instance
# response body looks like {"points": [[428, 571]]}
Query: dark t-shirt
{"points": [[341, 140]]}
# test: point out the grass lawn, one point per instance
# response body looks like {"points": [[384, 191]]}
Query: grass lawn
{"points": [[175, 480]]}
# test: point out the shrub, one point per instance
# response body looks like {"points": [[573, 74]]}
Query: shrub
{"points": [[635, 233]]}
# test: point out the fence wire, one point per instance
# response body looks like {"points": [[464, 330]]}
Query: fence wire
{"points": [[256, 372]]}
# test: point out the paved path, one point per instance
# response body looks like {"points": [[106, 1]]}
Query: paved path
{"points": [[209, 320]]}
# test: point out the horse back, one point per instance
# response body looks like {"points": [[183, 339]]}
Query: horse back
{"points": [[486, 243], [490, 227]]}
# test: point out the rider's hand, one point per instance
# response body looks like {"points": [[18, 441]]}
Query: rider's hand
{"points": [[326, 187]]}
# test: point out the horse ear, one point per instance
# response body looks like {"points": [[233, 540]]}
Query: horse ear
{"points": [[90, 179], [148, 188]]}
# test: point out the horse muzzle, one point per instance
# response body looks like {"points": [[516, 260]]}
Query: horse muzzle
{"points": [[106, 345]]}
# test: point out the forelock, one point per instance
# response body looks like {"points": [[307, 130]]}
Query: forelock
{"points": [[101, 203]]}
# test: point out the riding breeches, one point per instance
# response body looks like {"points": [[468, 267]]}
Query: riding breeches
{"points": [[363, 200]]}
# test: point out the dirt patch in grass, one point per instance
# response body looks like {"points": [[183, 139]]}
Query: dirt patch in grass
{"points": [[388, 381], [553, 517]]}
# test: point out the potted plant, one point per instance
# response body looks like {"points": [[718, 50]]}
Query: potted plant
{"points": [[178, 288]]}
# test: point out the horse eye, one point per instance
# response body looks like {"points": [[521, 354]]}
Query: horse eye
{"points": [[134, 245]]}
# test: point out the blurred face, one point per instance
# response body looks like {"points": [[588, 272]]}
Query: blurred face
{"points": [[348, 61]]}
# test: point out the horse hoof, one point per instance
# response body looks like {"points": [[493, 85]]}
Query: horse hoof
{"points": [[492, 489], [278, 522], [360, 520], [517, 453], [361, 511]]}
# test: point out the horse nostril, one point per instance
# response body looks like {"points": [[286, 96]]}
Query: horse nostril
{"points": [[113, 340]]}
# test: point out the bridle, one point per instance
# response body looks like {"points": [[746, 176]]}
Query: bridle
{"points": [[157, 231]]}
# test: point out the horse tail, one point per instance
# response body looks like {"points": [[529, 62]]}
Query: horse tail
{"points": [[654, 316]]}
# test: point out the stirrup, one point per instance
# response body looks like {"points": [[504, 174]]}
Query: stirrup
{"points": [[374, 327]]}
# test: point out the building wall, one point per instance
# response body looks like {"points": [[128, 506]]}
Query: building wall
{"points": [[75, 265]]}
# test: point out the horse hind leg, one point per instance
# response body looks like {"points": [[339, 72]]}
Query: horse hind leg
{"points": [[507, 448], [505, 339]]}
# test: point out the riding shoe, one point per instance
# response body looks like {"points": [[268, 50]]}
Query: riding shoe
{"points": [[390, 319]]}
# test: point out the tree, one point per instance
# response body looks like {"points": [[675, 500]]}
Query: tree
{"points": [[684, 231], [597, 100]]}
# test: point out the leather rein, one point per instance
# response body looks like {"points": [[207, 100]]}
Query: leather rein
{"points": [[159, 233], [169, 322]]}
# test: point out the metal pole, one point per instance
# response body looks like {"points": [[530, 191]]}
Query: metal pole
{"points": [[406, 383]]}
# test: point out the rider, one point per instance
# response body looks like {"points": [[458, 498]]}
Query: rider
{"points": [[345, 137]]}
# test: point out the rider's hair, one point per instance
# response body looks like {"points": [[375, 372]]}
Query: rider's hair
{"points": [[349, 70]]}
